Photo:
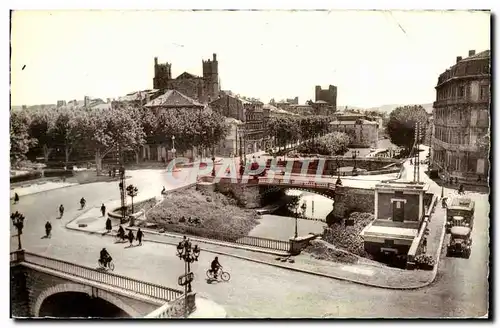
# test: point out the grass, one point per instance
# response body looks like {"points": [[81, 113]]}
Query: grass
{"points": [[206, 215]]}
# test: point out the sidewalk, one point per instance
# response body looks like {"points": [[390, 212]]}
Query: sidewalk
{"points": [[37, 187], [366, 274]]}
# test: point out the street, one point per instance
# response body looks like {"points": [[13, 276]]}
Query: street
{"points": [[255, 290]]}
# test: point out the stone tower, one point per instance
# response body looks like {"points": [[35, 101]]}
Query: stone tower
{"points": [[211, 78], [163, 74]]}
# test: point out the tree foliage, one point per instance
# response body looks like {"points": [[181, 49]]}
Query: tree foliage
{"points": [[20, 139], [332, 144], [401, 125]]}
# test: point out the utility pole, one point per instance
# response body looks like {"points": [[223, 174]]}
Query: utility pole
{"points": [[416, 167]]}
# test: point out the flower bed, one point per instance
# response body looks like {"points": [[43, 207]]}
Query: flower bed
{"points": [[197, 213], [144, 205], [424, 262]]}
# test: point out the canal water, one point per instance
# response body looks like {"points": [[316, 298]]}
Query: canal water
{"points": [[317, 207]]}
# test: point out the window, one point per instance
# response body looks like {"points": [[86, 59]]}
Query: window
{"points": [[461, 92], [484, 94]]}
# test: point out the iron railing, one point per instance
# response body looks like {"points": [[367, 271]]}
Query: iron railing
{"points": [[111, 279], [274, 244], [308, 184]]}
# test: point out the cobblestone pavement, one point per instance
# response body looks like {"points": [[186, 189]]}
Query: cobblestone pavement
{"points": [[257, 290]]}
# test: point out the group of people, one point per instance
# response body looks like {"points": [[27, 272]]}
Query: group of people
{"points": [[130, 235]]}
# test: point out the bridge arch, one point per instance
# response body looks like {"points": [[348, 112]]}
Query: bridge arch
{"points": [[77, 288]]}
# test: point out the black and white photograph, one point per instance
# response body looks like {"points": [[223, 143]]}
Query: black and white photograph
{"points": [[250, 164]]}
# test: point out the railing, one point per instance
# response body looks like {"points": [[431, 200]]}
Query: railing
{"points": [[308, 184], [111, 279], [274, 244], [15, 256]]}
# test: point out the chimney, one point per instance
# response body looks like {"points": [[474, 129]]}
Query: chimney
{"points": [[472, 52], [459, 58], [85, 101], [156, 61], [214, 57]]}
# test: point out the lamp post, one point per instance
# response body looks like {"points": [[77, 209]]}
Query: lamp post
{"points": [[18, 221], [132, 192], [189, 255], [121, 186], [355, 153]]}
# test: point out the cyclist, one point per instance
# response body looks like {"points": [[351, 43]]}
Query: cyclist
{"points": [[105, 257], [215, 265], [82, 202], [61, 210]]}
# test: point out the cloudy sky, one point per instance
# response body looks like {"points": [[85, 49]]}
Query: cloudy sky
{"points": [[373, 57]]}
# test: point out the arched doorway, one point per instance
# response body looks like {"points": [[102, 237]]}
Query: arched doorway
{"points": [[78, 304]]}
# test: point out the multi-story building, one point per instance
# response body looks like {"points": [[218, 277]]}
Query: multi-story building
{"points": [[363, 133], [461, 119], [203, 89], [252, 113]]}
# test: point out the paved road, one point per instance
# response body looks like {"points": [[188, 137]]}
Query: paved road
{"points": [[257, 290]]}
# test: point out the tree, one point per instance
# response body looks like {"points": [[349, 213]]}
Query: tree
{"points": [[329, 145], [41, 128], [68, 130], [20, 140], [110, 129], [401, 125]]}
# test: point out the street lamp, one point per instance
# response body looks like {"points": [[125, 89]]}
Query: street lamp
{"points": [[123, 199], [355, 153], [132, 192], [189, 255], [18, 221]]}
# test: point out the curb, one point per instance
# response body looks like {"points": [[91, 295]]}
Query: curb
{"points": [[439, 251], [38, 192], [324, 275]]}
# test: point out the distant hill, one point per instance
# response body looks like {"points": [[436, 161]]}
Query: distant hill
{"points": [[387, 108]]}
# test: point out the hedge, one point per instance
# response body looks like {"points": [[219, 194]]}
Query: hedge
{"points": [[58, 173], [26, 177]]}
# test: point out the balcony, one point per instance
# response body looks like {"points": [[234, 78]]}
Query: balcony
{"points": [[458, 101], [454, 147]]}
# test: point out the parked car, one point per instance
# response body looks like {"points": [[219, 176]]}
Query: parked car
{"points": [[460, 207], [460, 242]]}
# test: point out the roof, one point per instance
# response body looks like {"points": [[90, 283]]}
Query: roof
{"points": [[320, 102], [137, 95], [231, 120], [480, 55], [364, 122], [172, 99], [275, 110], [460, 231], [186, 75]]}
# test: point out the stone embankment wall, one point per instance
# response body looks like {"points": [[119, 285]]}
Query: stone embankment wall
{"points": [[348, 200], [247, 195]]}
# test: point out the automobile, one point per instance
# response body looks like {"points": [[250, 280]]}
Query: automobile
{"points": [[460, 207], [460, 242]]}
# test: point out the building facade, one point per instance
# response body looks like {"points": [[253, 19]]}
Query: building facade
{"points": [[363, 133], [461, 119], [201, 88]]}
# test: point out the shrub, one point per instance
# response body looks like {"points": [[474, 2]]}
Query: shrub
{"points": [[57, 173], [323, 251], [424, 262], [26, 177], [348, 238], [206, 215]]}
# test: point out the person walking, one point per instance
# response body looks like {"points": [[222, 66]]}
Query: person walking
{"points": [[139, 236], [103, 209], [16, 198], [130, 237], [108, 225]]}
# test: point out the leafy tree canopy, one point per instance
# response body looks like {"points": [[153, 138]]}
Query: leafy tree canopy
{"points": [[401, 125]]}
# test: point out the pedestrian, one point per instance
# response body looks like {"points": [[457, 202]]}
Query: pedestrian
{"points": [[103, 209], [16, 198], [139, 236], [108, 224], [130, 237]]}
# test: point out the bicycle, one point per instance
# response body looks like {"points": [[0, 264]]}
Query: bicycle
{"points": [[110, 265], [224, 276]]}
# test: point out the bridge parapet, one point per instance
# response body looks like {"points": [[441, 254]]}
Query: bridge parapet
{"points": [[104, 277]]}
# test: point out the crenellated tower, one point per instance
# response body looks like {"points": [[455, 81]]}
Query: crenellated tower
{"points": [[163, 74], [211, 77]]}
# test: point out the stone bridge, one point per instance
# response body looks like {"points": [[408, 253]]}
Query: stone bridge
{"points": [[35, 279]]}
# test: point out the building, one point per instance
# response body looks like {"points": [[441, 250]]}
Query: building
{"points": [[399, 218], [327, 95], [303, 110], [277, 112], [201, 88], [461, 119], [252, 113], [363, 133], [169, 100], [232, 144]]}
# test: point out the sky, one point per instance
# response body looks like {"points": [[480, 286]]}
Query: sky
{"points": [[373, 57]]}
